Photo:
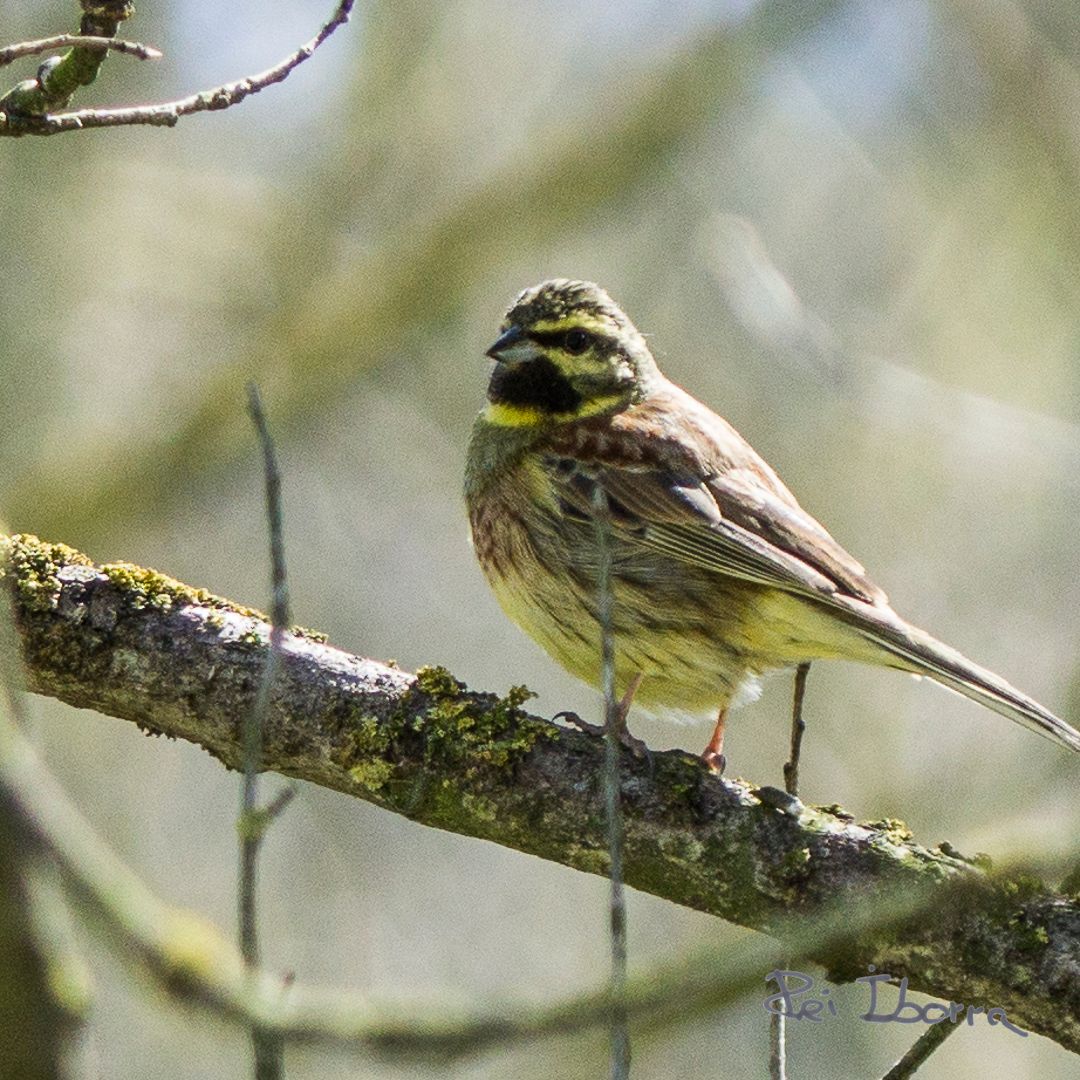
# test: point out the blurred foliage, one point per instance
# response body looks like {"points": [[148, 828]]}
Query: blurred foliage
{"points": [[850, 226]]}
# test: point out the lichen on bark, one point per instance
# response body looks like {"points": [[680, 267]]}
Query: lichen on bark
{"points": [[181, 662]]}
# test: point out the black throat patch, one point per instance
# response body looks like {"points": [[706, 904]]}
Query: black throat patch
{"points": [[537, 383]]}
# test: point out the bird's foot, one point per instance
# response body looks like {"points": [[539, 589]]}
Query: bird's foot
{"points": [[715, 762], [635, 745], [582, 725]]}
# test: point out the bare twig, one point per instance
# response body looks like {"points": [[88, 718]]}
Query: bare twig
{"points": [[613, 725], [777, 1020], [778, 1042], [10, 53], [268, 1048], [798, 728], [169, 112], [920, 1052]]}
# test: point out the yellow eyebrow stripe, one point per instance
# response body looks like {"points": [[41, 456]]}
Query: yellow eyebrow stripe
{"points": [[578, 321]]}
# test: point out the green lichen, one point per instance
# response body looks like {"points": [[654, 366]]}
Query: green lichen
{"points": [[794, 866], [679, 847], [474, 806], [1027, 938], [372, 775], [33, 567], [142, 588], [468, 731], [894, 829], [438, 746], [1021, 887], [438, 682], [1070, 886], [365, 751], [590, 860]]}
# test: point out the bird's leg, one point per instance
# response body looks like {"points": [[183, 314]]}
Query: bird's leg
{"points": [[622, 711], [713, 755], [798, 726]]}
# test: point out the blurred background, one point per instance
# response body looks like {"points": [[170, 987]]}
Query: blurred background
{"points": [[850, 227]]}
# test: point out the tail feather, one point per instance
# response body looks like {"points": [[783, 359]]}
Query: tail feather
{"points": [[921, 653]]}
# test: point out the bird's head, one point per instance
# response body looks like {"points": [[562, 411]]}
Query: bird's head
{"points": [[566, 351]]}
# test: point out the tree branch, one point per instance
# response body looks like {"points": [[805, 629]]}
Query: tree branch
{"points": [[25, 105], [24, 110], [10, 53], [177, 661]]}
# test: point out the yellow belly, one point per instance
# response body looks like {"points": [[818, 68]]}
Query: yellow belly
{"points": [[697, 638]]}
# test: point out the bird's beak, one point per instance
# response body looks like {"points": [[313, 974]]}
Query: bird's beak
{"points": [[512, 347]]}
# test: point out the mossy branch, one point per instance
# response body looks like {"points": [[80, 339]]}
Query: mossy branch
{"points": [[177, 661]]}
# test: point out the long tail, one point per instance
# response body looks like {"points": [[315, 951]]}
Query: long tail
{"points": [[920, 653]]}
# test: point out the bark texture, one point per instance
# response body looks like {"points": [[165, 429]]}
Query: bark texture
{"points": [[180, 662]]}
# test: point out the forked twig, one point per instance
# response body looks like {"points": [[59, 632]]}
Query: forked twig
{"points": [[268, 1046], [168, 113]]}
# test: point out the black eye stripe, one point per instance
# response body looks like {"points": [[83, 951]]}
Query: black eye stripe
{"points": [[557, 338], [550, 338]]}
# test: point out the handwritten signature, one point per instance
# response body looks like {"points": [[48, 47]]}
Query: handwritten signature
{"points": [[795, 1002]]}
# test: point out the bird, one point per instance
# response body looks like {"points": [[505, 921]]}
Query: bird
{"points": [[717, 574]]}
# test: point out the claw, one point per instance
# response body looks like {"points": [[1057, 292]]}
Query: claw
{"points": [[714, 762], [576, 721], [635, 745]]}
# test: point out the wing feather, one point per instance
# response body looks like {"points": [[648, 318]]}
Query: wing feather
{"points": [[681, 481], [719, 507]]}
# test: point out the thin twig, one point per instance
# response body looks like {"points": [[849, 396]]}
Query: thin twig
{"points": [[777, 1045], [10, 53], [268, 1047], [613, 721], [777, 1020], [923, 1047], [169, 112], [798, 729]]}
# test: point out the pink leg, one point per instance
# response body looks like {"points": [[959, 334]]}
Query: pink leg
{"points": [[713, 755]]}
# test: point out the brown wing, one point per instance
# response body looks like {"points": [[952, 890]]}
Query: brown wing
{"points": [[679, 479]]}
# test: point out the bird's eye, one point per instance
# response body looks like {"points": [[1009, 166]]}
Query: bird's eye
{"points": [[575, 342]]}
